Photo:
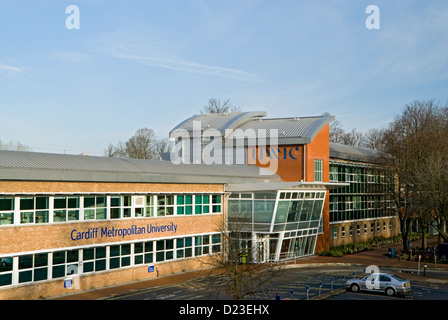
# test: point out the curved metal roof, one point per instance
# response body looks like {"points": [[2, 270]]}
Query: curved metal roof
{"points": [[16, 165], [251, 125]]}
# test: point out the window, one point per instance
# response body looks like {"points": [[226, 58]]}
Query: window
{"points": [[66, 209], [216, 243], [335, 232], [317, 170], [184, 247], [143, 252], [146, 207], [164, 250], [365, 228], [120, 207], [351, 231], [33, 267], [65, 263], [184, 204], [6, 266], [7, 210], [333, 174], [358, 229], [95, 207], [372, 228], [94, 259], [201, 245], [378, 229], [202, 204], [165, 205], [384, 226], [120, 256], [343, 232], [34, 209], [216, 203]]}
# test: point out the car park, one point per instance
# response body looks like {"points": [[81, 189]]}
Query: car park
{"points": [[380, 282]]}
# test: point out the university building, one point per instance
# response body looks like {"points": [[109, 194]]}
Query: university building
{"points": [[331, 194], [72, 223]]}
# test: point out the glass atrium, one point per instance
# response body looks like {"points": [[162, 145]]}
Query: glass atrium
{"points": [[276, 225]]}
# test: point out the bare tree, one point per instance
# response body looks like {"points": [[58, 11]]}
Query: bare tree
{"points": [[16, 146], [353, 138], [240, 275], [408, 153], [217, 106], [372, 139], [142, 145]]}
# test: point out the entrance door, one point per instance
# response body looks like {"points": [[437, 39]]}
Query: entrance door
{"points": [[262, 249]]}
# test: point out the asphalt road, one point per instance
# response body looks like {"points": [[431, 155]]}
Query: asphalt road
{"points": [[297, 284]]}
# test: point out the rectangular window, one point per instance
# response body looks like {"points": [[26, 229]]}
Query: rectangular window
{"points": [[7, 210], [66, 209], [34, 209], [65, 263], [95, 207], [143, 252], [165, 205], [184, 204], [201, 245], [343, 232], [120, 256], [120, 207], [6, 267], [94, 259], [33, 267], [202, 204], [184, 247], [318, 170], [216, 203], [333, 174], [216, 243], [335, 232]]}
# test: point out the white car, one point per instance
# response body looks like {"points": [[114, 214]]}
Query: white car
{"points": [[380, 282]]}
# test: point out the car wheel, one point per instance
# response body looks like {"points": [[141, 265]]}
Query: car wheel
{"points": [[354, 288], [390, 291]]}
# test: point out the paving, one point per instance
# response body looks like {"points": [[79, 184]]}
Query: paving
{"points": [[378, 257]]}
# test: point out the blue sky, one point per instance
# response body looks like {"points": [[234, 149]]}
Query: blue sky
{"points": [[148, 63]]}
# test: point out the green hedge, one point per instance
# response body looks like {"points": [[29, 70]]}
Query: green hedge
{"points": [[360, 246]]}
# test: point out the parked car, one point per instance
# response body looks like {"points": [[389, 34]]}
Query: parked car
{"points": [[380, 282], [442, 250]]}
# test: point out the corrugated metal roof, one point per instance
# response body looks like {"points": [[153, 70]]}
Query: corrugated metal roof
{"points": [[303, 127], [219, 121], [344, 152], [15, 165], [251, 125]]}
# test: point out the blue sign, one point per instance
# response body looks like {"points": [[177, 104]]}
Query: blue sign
{"points": [[150, 268], [68, 283]]}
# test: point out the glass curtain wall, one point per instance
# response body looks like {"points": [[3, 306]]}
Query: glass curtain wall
{"points": [[284, 224]]}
